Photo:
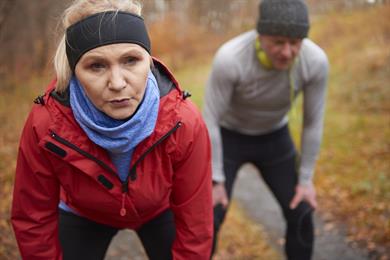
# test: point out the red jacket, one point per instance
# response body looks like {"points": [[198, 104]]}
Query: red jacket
{"points": [[169, 169]]}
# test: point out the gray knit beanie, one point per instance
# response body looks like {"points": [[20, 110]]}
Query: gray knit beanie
{"points": [[288, 18]]}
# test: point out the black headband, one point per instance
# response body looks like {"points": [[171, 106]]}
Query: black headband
{"points": [[103, 29]]}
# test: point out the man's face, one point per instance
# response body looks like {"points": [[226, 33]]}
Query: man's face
{"points": [[280, 50]]}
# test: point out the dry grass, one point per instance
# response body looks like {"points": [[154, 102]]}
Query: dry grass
{"points": [[240, 238]]}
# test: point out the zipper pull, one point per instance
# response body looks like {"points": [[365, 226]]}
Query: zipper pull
{"points": [[122, 212]]}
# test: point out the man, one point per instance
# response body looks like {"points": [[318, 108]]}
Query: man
{"points": [[254, 80]]}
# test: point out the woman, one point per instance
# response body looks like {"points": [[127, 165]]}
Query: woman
{"points": [[112, 144]]}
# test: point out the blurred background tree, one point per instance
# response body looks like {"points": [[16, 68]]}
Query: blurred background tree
{"points": [[29, 30], [5, 6]]}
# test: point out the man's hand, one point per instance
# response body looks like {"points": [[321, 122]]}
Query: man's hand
{"points": [[219, 195], [304, 192]]}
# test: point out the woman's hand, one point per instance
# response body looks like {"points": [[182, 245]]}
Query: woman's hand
{"points": [[219, 195], [304, 192]]}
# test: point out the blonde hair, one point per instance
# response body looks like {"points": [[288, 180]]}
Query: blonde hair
{"points": [[77, 11]]}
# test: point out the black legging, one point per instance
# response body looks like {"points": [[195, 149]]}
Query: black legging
{"points": [[83, 239], [274, 155]]}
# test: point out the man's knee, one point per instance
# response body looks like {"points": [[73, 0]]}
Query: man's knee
{"points": [[219, 216], [301, 215]]}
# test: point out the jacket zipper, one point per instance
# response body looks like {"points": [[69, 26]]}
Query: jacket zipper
{"points": [[132, 173]]}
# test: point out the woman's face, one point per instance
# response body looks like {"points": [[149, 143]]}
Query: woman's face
{"points": [[114, 77]]}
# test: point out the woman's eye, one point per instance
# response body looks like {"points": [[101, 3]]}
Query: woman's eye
{"points": [[97, 66], [131, 60]]}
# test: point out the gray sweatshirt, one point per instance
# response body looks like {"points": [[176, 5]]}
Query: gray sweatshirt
{"points": [[243, 96]]}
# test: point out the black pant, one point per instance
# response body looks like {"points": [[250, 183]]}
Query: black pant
{"points": [[84, 239], [274, 155]]}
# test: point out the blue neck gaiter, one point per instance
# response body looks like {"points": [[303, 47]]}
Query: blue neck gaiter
{"points": [[118, 137]]}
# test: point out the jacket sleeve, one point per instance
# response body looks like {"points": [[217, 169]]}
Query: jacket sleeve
{"points": [[34, 213], [191, 195]]}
